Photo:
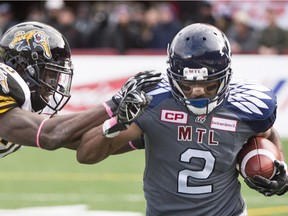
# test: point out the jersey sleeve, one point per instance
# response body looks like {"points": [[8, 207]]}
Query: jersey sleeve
{"points": [[254, 104], [14, 92], [137, 144], [12, 89]]}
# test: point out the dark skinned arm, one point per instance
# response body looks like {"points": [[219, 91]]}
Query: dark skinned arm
{"points": [[274, 137], [95, 147], [20, 126]]}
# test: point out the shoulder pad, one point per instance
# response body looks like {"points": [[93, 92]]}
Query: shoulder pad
{"points": [[162, 92], [251, 101], [162, 86], [12, 85]]}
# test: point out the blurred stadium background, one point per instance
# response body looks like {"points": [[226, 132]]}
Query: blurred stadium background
{"points": [[37, 178], [123, 26]]}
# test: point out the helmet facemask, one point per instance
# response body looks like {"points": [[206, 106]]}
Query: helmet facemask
{"points": [[201, 106], [51, 86], [200, 56]]}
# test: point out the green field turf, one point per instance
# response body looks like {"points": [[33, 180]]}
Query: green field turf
{"points": [[34, 177]]}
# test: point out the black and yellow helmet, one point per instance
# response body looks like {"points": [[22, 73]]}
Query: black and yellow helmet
{"points": [[42, 57]]}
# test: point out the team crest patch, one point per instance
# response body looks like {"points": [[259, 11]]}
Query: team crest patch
{"points": [[33, 38], [3, 82]]}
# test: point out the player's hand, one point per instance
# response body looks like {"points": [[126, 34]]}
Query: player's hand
{"points": [[142, 81], [145, 81], [277, 185], [131, 106]]}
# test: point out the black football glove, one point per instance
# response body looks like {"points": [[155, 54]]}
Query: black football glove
{"points": [[277, 185], [142, 81], [131, 106]]}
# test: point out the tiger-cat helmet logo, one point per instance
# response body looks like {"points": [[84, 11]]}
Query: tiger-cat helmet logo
{"points": [[33, 38]]}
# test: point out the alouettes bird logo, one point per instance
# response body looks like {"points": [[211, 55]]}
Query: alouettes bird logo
{"points": [[250, 98]]}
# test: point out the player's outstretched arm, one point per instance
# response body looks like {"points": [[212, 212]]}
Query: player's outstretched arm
{"points": [[30, 129], [95, 147], [129, 103], [279, 183]]}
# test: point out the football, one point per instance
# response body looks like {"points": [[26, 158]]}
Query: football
{"points": [[257, 158]]}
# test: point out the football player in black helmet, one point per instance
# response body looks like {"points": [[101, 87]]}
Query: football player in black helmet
{"points": [[35, 78], [42, 57], [193, 129]]}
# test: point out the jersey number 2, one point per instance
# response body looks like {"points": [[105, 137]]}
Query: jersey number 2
{"points": [[184, 175]]}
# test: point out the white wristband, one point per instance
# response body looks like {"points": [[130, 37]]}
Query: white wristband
{"points": [[107, 125]]}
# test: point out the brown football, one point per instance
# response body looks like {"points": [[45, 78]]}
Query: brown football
{"points": [[257, 158]]}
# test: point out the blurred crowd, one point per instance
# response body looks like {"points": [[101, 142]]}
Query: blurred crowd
{"points": [[126, 25]]}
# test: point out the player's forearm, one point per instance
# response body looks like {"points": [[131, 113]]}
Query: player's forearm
{"points": [[275, 138], [62, 130], [94, 147]]}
